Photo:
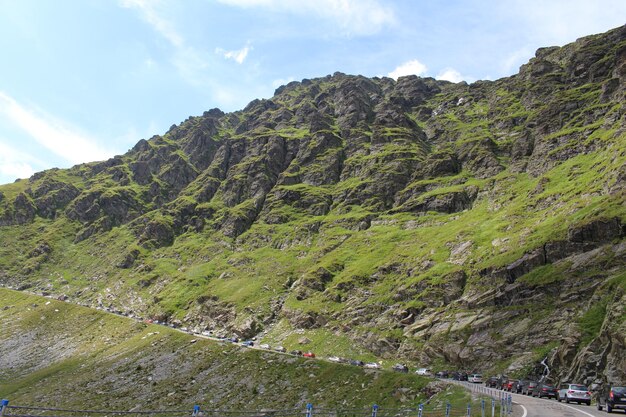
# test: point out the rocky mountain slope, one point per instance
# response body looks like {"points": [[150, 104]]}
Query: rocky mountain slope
{"points": [[452, 225], [50, 351]]}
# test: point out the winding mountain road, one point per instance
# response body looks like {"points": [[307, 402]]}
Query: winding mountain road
{"points": [[525, 406]]}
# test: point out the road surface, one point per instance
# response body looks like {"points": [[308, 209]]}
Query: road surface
{"points": [[525, 406], [543, 407]]}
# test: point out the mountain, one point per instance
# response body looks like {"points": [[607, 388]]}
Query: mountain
{"points": [[478, 226]]}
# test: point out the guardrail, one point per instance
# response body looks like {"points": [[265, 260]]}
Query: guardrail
{"points": [[487, 407]]}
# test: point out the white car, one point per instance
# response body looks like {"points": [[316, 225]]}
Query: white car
{"points": [[424, 371], [264, 346], [334, 359], [475, 378], [574, 393], [372, 365]]}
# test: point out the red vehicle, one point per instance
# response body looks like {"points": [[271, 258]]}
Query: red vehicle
{"points": [[509, 384], [309, 355]]}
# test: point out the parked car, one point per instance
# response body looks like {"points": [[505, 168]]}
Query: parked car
{"points": [[280, 349], [296, 353], [400, 367], [442, 374], [372, 365], [264, 346], [356, 362], [424, 371], [528, 387], [308, 354], [544, 390], [492, 382], [335, 359], [248, 343], [234, 340], [475, 378], [574, 393]]}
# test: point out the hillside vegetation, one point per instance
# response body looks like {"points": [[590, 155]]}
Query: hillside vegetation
{"points": [[450, 225], [50, 351]]}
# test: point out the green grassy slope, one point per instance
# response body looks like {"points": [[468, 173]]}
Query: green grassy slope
{"points": [[52, 350]]}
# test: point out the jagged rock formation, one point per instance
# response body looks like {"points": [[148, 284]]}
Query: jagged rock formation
{"points": [[450, 224]]}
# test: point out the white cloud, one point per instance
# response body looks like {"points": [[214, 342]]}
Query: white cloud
{"points": [[191, 63], [561, 21], [14, 164], [238, 55], [282, 81], [55, 135], [516, 58], [354, 17], [412, 67], [450, 74], [148, 12]]}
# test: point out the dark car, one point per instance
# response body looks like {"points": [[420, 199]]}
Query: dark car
{"points": [[442, 374], [492, 382], [399, 367], [612, 398], [296, 352], [459, 376], [528, 387], [519, 385], [516, 386], [356, 362], [544, 390]]}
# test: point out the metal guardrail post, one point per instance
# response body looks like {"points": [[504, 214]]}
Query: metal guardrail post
{"points": [[374, 410], [482, 407], [448, 407], [510, 404], [493, 407], [469, 409], [3, 406]]}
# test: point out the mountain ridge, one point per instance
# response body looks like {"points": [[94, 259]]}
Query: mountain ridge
{"points": [[439, 223]]}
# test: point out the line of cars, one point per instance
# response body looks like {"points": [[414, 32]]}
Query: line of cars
{"points": [[251, 344], [565, 392], [608, 397], [461, 376]]}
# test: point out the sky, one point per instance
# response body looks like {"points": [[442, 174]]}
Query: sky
{"points": [[84, 80]]}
